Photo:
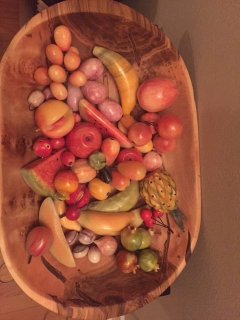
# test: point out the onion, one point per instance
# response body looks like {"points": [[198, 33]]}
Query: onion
{"points": [[80, 251], [74, 96], [92, 68], [107, 245], [94, 91], [111, 109], [86, 237], [94, 254], [35, 99]]}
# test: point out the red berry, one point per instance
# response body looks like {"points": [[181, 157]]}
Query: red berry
{"points": [[72, 213], [57, 143], [157, 213], [84, 200], [149, 223], [67, 158], [42, 147], [146, 214]]}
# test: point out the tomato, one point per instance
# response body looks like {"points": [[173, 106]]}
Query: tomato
{"points": [[41, 76], [150, 117], [99, 189], [54, 54], [134, 170], [119, 182], [157, 94], [131, 154], [139, 133], [169, 126], [63, 37], [163, 145], [66, 182], [42, 147], [71, 60]]}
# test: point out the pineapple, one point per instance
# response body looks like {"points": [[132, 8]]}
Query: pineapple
{"points": [[159, 191]]}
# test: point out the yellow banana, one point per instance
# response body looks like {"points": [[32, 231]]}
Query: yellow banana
{"points": [[124, 75], [102, 223]]}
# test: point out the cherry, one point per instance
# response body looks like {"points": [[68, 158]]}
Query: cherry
{"points": [[72, 213], [42, 147], [146, 214]]}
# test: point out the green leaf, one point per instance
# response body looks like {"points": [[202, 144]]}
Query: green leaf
{"points": [[178, 218]]}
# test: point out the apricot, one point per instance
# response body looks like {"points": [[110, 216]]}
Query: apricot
{"points": [[54, 118]]}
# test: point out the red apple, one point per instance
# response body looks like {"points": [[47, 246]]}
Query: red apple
{"points": [[157, 94], [110, 148], [54, 118], [83, 140]]}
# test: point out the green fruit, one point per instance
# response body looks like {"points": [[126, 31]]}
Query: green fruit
{"points": [[122, 201], [97, 160], [146, 238], [131, 239], [148, 260]]}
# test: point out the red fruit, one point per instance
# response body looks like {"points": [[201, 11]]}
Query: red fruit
{"points": [[83, 140], [139, 133], [149, 223], [163, 145], [89, 113], [157, 94], [110, 147], [66, 182], [39, 240], [150, 117], [152, 161], [77, 195], [42, 147], [157, 213], [146, 214], [84, 200], [72, 213], [169, 126], [67, 158], [129, 155], [57, 143], [119, 182]]}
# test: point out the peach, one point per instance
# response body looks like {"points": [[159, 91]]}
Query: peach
{"points": [[54, 118]]}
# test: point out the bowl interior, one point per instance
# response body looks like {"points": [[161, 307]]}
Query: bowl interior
{"points": [[73, 291]]}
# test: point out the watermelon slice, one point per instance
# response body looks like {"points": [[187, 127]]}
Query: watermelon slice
{"points": [[89, 113], [39, 174]]}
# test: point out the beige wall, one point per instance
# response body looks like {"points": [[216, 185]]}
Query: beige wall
{"points": [[207, 33]]}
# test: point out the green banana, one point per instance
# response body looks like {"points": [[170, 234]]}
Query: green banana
{"points": [[122, 201]]}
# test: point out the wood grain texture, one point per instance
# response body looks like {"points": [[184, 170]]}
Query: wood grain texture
{"points": [[101, 291]]}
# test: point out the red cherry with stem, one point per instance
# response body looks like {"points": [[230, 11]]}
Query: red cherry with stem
{"points": [[42, 147], [72, 213], [146, 214], [149, 223], [67, 158], [157, 213]]}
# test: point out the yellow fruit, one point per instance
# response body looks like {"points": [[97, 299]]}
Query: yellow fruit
{"points": [[65, 222], [146, 147], [60, 250]]}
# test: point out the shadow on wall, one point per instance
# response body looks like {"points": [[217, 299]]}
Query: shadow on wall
{"points": [[147, 8], [186, 51]]}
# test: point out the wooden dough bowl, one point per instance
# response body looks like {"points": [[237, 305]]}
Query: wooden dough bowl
{"points": [[92, 291]]}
